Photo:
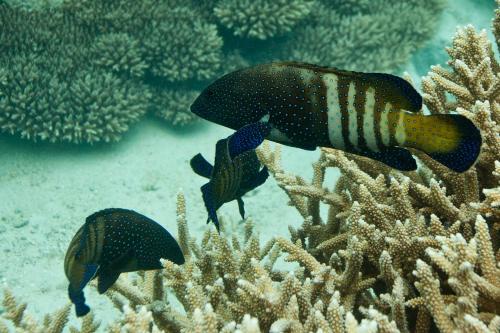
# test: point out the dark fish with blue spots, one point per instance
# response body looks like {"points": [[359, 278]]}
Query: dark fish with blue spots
{"points": [[114, 241], [236, 169], [370, 114]]}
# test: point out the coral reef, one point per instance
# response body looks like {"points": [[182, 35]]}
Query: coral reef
{"points": [[407, 227], [59, 98], [261, 19], [381, 251], [172, 48], [370, 36]]}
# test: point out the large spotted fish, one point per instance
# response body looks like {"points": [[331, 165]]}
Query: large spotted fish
{"points": [[369, 114], [236, 169], [113, 241]]}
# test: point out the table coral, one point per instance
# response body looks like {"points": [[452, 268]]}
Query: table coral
{"points": [[364, 35], [261, 19], [59, 98]]}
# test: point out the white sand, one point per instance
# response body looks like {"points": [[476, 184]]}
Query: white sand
{"points": [[46, 192]]}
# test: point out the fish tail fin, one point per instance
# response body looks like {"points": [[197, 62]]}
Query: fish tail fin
{"points": [[451, 139]]}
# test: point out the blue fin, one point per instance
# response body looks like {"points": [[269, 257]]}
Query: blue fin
{"points": [[247, 138], [395, 157], [201, 166], [241, 207], [78, 298], [468, 147], [208, 199]]}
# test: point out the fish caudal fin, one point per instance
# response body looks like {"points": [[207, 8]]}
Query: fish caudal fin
{"points": [[451, 139]]}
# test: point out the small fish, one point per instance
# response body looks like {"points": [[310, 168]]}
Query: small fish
{"points": [[370, 114], [113, 241], [236, 169]]}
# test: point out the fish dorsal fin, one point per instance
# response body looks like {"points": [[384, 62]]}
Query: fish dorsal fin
{"points": [[393, 89], [396, 90]]}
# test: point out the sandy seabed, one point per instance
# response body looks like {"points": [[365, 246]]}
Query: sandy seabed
{"points": [[46, 191]]}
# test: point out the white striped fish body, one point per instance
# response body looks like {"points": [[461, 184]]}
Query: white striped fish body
{"points": [[370, 114], [355, 112]]}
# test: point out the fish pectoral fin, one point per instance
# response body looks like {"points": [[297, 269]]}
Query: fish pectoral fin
{"points": [[241, 207], [395, 157], [257, 180], [201, 166], [106, 279], [208, 199], [247, 138]]}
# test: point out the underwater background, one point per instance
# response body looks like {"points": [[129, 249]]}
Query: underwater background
{"points": [[94, 112]]}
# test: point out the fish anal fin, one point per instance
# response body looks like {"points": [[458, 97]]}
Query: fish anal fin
{"points": [[395, 157], [201, 166], [106, 279]]}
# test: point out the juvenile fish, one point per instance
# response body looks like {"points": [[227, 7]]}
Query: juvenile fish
{"points": [[113, 241], [236, 169], [370, 114]]}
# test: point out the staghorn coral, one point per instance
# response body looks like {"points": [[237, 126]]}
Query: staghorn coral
{"points": [[413, 220], [119, 47], [120, 53], [15, 315], [230, 286], [233, 286], [261, 19], [460, 260]]}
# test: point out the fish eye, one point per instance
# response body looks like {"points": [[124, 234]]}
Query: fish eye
{"points": [[210, 92]]}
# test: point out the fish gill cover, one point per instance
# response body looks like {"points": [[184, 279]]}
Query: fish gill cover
{"points": [[398, 251], [85, 71]]}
